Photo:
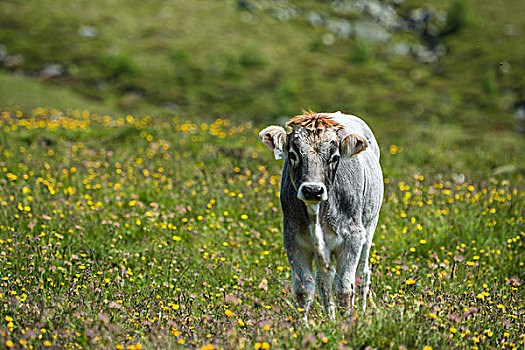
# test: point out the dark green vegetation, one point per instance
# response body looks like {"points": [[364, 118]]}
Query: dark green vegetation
{"points": [[162, 228], [209, 58]]}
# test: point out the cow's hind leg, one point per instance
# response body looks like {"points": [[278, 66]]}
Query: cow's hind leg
{"points": [[364, 269], [364, 273]]}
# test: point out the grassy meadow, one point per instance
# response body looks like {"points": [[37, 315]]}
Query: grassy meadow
{"points": [[138, 209], [140, 232]]}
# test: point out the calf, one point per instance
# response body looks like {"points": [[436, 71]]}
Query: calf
{"points": [[331, 194]]}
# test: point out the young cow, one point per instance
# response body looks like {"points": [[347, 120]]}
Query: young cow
{"points": [[331, 193]]}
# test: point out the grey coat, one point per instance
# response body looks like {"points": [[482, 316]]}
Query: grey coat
{"points": [[331, 194]]}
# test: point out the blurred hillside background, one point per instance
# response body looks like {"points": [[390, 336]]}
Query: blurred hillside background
{"points": [[414, 61]]}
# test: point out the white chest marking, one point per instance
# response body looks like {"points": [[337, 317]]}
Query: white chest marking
{"points": [[317, 236]]}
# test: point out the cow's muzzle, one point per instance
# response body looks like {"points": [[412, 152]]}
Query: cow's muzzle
{"points": [[312, 192]]}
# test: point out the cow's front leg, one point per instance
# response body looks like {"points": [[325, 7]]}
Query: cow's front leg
{"points": [[303, 281], [347, 261], [324, 279]]}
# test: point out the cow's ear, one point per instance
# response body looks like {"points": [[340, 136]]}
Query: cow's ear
{"points": [[352, 145], [274, 137]]}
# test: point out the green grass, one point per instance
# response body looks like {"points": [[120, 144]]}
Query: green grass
{"points": [[118, 232], [22, 93]]}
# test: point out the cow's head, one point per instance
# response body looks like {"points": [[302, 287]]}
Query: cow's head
{"points": [[313, 149]]}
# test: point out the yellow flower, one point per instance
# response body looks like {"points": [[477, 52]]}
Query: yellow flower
{"points": [[228, 313], [410, 281], [208, 347], [427, 348], [9, 343]]}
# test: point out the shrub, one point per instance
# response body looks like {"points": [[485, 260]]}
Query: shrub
{"points": [[458, 17]]}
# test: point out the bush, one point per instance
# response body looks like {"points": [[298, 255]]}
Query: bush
{"points": [[458, 17], [251, 58], [490, 82], [361, 53], [119, 65]]}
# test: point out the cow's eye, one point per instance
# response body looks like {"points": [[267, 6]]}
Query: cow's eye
{"points": [[334, 159], [293, 157]]}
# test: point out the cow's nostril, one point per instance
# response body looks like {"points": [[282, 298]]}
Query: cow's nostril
{"points": [[313, 192]]}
